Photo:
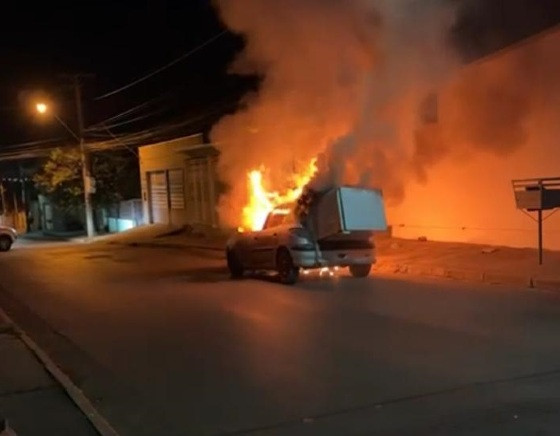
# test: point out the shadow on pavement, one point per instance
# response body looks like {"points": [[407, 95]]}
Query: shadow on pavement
{"points": [[212, 274]]}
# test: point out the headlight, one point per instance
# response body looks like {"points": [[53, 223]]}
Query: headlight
{"points": [[300, 239], [303, 247]]}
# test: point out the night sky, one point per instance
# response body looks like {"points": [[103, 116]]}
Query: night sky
{"points": [[119, 41]]}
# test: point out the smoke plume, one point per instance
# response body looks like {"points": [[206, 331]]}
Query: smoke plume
{"points": [[354, 83], [341, 79]]}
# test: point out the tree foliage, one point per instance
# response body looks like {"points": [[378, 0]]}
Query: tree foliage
{"points": [[115, 173], [60, 178], [117, 176]]}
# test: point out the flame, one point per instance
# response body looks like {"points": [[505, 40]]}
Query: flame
{"points": [[262, 201], [324, 271]]}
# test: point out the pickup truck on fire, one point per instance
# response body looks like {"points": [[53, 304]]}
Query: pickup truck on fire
{"points": [[332, 229]]}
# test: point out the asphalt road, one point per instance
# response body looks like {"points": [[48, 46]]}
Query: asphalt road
{"points": [[163, 343]]}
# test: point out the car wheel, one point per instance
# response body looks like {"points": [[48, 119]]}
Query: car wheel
{"points": [[360, 271], [234, 265], [287, 271], [5, 243]]}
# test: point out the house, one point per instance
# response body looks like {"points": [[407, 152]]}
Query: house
{"points": [[178, 182], [498, 120]]}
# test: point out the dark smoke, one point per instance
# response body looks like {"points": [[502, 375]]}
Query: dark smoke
{"points": [[373, 88]]}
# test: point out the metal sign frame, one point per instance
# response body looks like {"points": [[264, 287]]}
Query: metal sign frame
{"points": [[537, 195]]}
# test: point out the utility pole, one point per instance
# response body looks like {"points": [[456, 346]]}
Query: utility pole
{"points": [[86, 161], [23, 196]]}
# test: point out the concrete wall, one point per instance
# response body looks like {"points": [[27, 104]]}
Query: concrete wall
{"points": [[198, 162], [160, 157], [498, 120]]}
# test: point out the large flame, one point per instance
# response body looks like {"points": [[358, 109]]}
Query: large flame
{"points": [[263, 200]]}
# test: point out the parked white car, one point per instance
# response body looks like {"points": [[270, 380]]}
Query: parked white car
{"points": [[8, 236], [286, 246]]}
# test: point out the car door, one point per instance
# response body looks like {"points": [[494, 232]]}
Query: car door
{"points": [[265, 248], [242, 248], [265, 242]]}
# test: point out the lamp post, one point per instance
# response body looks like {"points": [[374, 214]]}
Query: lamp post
{"points": [[43, 108]]}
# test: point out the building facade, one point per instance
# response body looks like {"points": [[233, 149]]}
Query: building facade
{"points": [[497, 120], [178, 181]]}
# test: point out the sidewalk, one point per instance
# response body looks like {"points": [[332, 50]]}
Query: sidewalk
{"points": [[459, 261], [52, 236], [31, 401]]}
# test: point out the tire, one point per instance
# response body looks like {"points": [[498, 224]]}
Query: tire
{"points": [[360, 271], [234, 265], [5, 243], [287, 271]]}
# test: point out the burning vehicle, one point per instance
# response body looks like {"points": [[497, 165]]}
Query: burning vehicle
{"points": [[322, 229]]}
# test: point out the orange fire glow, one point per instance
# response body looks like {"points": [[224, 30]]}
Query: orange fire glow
{"points": [[263, 200]]}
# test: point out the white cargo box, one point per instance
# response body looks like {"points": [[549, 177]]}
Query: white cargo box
{"points": [[346, 210]]}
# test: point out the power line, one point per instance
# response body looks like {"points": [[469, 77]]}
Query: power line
{"points": [[117, 141], [113, 119], [102, 126], [164, 67], [170, 92], [122, 114], [97, 129], [28, 144], [134, 152], [41, 148]]}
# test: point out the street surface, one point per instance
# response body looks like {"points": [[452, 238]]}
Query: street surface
{"points": [[162, 342]]}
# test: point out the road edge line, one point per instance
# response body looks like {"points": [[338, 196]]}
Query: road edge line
{"points": [[74, 392]]}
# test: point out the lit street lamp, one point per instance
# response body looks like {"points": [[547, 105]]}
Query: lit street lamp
{"points": [[43, 108]]}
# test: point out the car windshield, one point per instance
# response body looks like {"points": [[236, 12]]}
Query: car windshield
{"points": [[276, 219]]}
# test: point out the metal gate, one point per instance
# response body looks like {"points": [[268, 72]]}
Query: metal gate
{"points": [[201, 191], [176, 189], [159, 197]]}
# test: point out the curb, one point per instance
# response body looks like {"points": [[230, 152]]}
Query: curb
{"points": [[497, 278], [74, 392], [488, 277], [546, 284]]}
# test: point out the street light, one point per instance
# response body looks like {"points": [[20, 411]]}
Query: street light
{"points": [[43, 108]]}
